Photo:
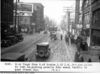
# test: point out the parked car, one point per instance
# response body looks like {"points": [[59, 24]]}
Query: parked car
{"points": [[19, 37], [43, 50], [5, 43], [8, 41]]}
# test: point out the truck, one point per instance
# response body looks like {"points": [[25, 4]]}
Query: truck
{"points": [[92, 53]]}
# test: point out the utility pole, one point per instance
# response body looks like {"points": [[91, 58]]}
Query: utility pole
{"points": [[68, 12], [90, 42], [77, 15], [18, 15], [77, 12], [68, 15]]}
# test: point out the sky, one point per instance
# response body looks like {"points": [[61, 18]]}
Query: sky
{"points": [[54, 9]]}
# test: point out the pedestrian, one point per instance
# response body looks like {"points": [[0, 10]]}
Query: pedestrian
{"points": [[84, 45], [78, 42], [69, 40], [61, 36]]}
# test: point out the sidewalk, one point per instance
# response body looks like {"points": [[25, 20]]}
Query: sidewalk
{"points": [[27, 40], [70, 50]]}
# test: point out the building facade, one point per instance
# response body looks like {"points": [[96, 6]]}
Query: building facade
{"points": [[86, 17], [86, 13], [95, 22], [91, 19], [95, 14], [39, 17], [6, 17], [7, 11], [32, 21]]}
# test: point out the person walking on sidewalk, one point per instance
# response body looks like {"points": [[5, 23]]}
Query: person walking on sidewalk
{"points": [[61, 36]]}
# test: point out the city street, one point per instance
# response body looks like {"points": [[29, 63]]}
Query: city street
{"points": [[60, 50], [55, 31], [24, 46]]}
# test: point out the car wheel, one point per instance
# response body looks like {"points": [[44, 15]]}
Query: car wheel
{"points": [[41, 53]]}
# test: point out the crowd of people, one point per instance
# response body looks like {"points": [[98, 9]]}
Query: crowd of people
{"points": [[79, 40]]}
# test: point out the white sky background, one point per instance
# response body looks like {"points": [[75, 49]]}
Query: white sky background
{"points": [[54, 9]]}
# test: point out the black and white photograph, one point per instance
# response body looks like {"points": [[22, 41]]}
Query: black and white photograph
{"points": [[50, 31]]}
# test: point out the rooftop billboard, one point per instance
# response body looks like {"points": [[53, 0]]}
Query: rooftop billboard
{"points": [[25, 7]]}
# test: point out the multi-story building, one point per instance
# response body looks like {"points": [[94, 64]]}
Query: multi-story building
{"points": [[7, 12], [91, 16], [9, 36], [39, 17], [86, 15], [32, 20], [24, 14], [6, 17], [95, 22]]}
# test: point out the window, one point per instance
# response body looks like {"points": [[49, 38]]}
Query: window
{"points": [[96, 37], [86, 3], [93, 1], [87, 18], [96, 17]]}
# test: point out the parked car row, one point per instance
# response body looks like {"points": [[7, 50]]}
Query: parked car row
{"points": [[11, 40]]}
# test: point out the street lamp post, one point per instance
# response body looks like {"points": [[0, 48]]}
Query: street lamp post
{"points": [[16, 16]]}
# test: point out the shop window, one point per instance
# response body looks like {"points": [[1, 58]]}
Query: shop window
{"points": [[96, 37]]}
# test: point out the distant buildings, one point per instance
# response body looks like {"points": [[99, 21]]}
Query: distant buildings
{"points": [[16, 19], [32, 19]]}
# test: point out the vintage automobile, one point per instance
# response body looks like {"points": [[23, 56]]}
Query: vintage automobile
{"points": [[19, 37], [43, 50], [53, 36]]}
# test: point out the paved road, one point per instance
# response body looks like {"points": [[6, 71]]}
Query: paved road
{"points": [[25, 46], [60, 50]]}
